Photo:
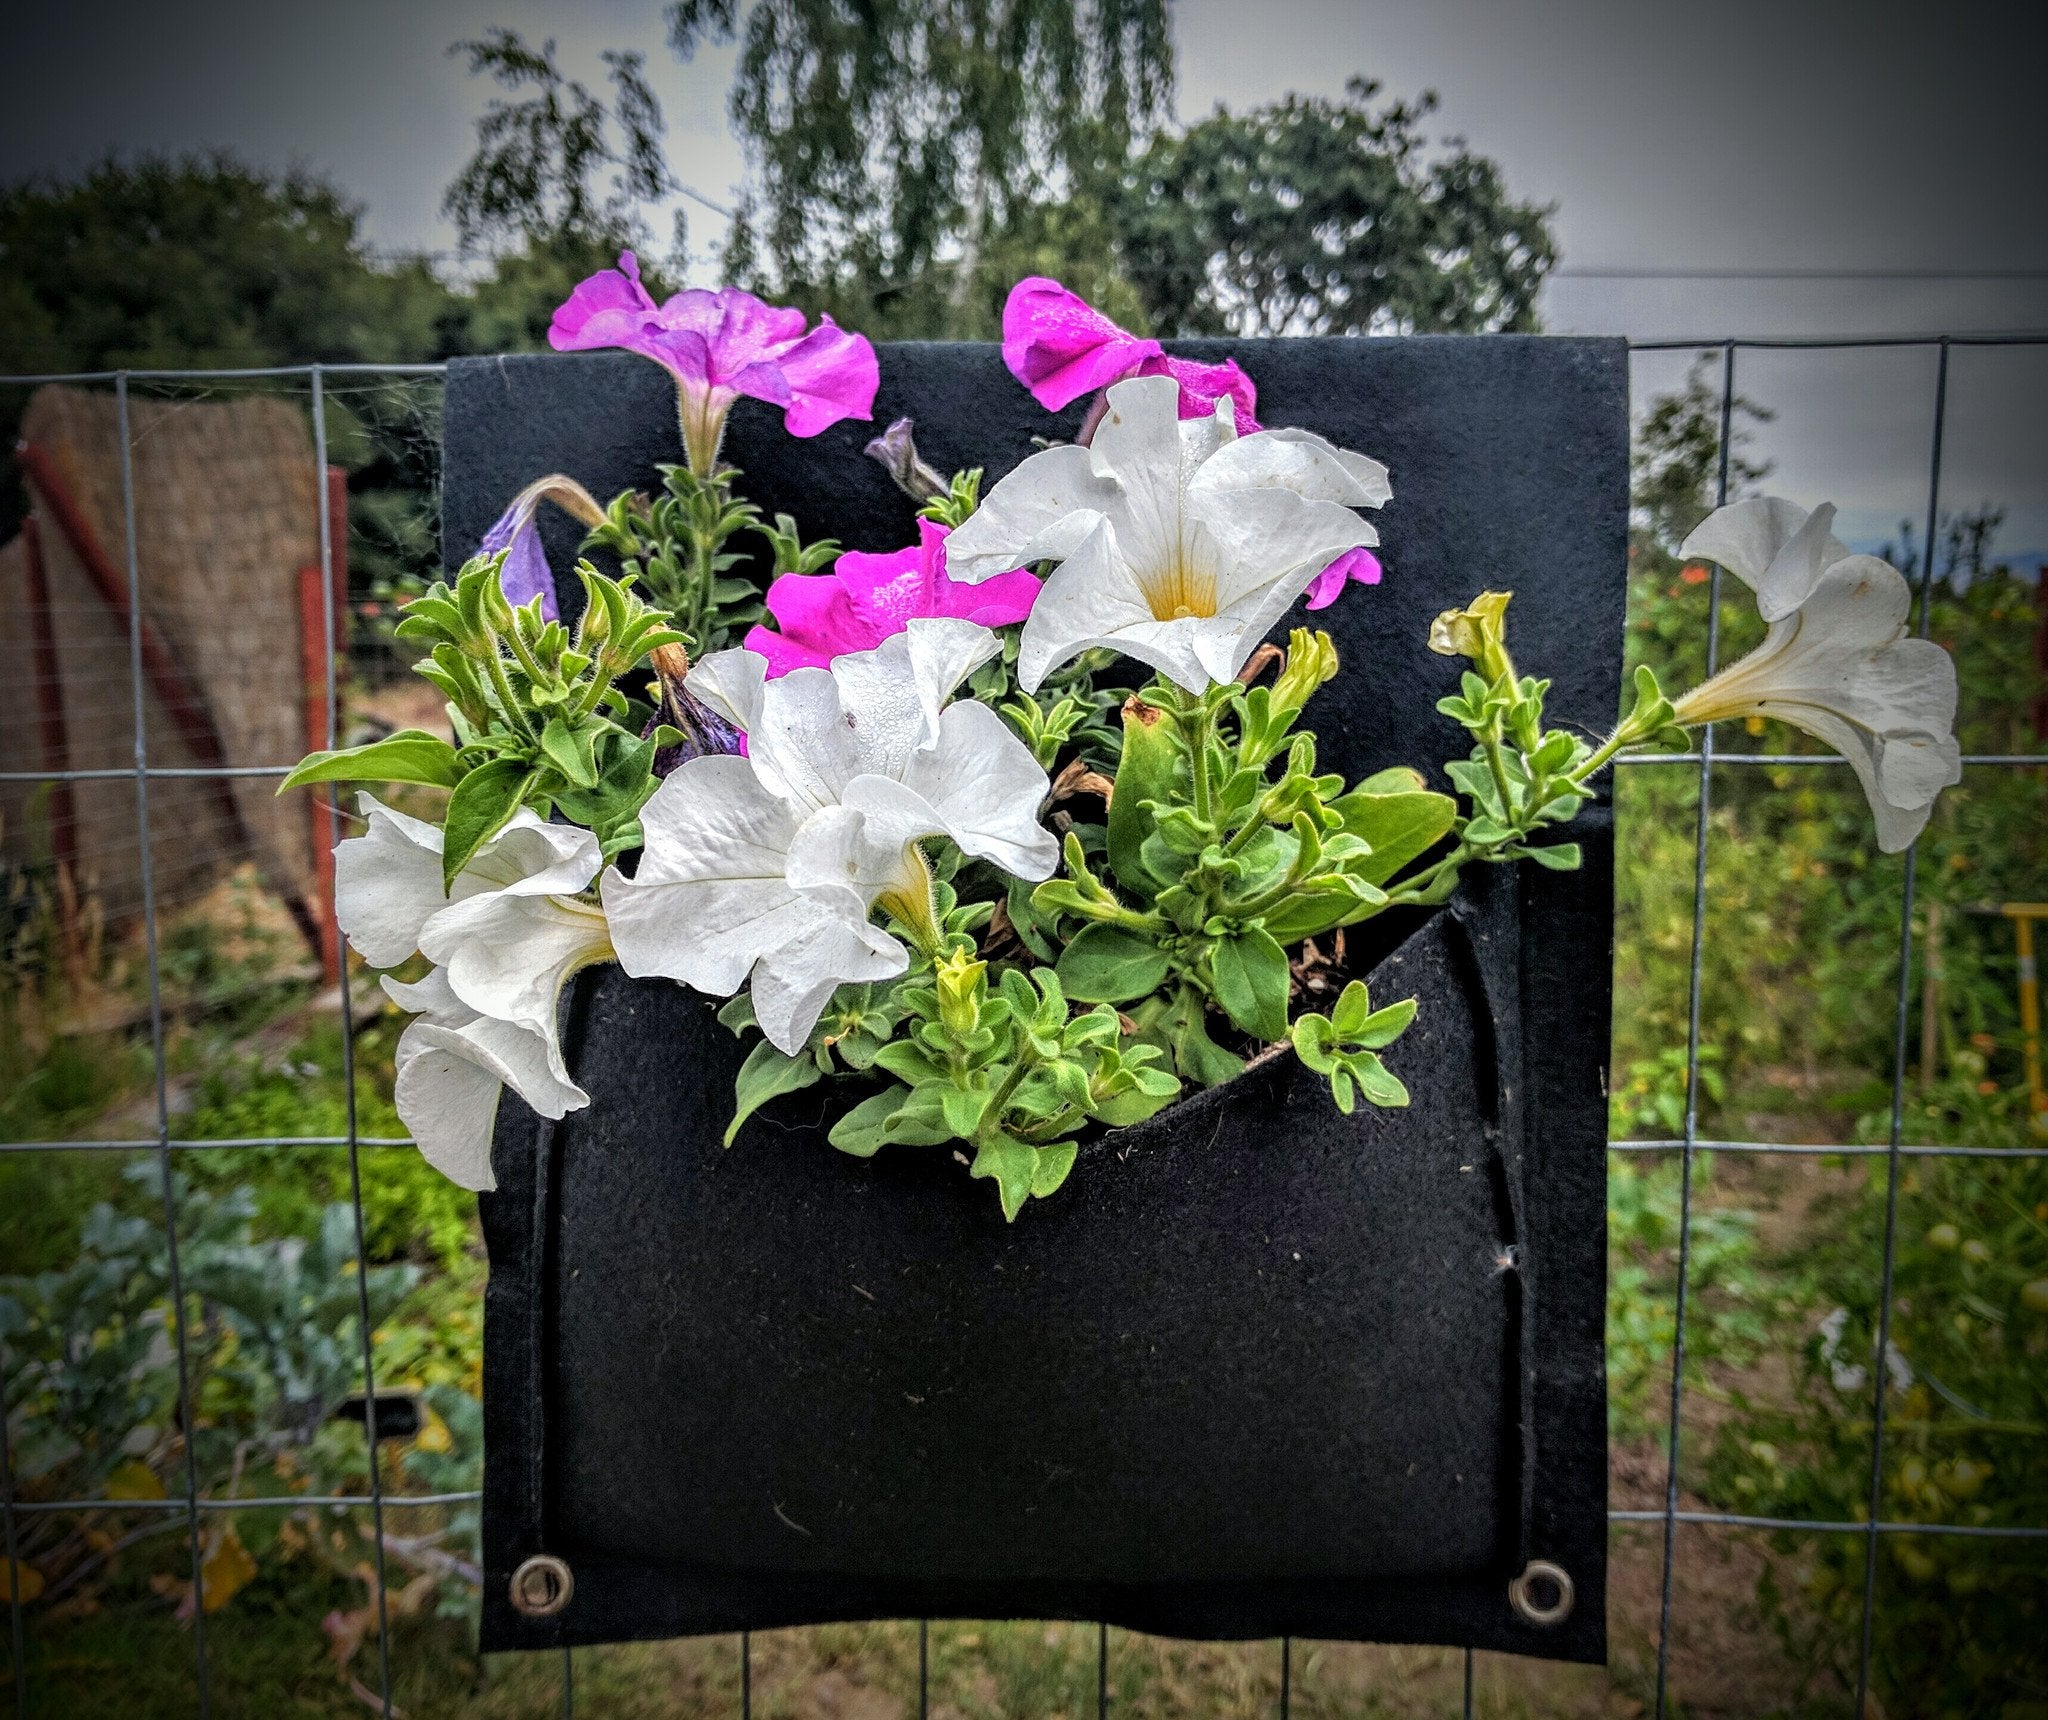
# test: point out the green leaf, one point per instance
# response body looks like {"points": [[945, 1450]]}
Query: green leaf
{"points": [[1050, 1168], [1135, 1104], [1400, 827], [768, 1074], [1311, 910], [569, 751], [918, 1121], [1376, 1081], [908, 1061], [1109, 964], [1563, 857], [962, 1109], [1014, 1165], [863, 1131], [1383, 1026], [1151, 746], [411, 755], [479, 808], [1195, 1054], [1313, 1039], [1252, 982], [1353, 1009]]}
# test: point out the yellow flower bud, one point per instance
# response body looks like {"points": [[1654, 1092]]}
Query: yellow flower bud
{"points": [[961, 983], [1311, 660], [1478, 631]]}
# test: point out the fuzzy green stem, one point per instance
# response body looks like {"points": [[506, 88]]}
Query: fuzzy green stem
{"points": [[1247, 835], [1198, 727], [992, 1115], [502, 686], [1617, 742], [1273, 895], [1412, 889], [527, 660], [1490, 744]]}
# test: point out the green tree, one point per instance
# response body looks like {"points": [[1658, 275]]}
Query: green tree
{"points": [[168, 262], [909, 162], [899, 147], [1311, 216], [557, 170]]}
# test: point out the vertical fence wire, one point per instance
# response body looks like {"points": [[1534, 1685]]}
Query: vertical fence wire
{"points": [[1692, 1064], [1880, 1368], [7, 1546], [156, 1042], [323, 513], [924, 1668]]}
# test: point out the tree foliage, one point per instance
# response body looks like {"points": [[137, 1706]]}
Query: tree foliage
{"points": [[909, 161], [558, 166], [895, 141], [163, 261], [1311, 216]]}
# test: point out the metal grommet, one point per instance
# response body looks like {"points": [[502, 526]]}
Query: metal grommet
{"points": [[1523, 1593], [541, 1587]]}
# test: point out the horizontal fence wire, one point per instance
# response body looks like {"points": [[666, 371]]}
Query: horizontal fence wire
{"points": [[1804, 1149], [194, 1506], [2030, 761], [472, 1496]]}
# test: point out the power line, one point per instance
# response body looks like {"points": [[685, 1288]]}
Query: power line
{"points": [[1795, 274]]}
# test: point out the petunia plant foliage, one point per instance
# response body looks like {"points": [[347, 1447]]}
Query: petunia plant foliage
{"points": [[1016, 833]]}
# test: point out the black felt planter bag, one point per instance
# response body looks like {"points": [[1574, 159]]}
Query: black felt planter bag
{"points": [[1258, 1368]]}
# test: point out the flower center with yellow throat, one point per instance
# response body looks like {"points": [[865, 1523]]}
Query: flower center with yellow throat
{"points": [[1183, 589], [908, 901]]}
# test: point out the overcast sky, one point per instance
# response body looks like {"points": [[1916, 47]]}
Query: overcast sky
{"points": [[1825, 159]]}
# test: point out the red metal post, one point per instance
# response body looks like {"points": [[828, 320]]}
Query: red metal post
{"points": [[56, 741], [313, 657], [50, 698]]}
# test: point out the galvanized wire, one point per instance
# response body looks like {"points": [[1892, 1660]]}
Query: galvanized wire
{"points": [[7, 1546], [162, 1144], [1880, 1373], [324, 513], [1690, 1145], [156, 1041]]}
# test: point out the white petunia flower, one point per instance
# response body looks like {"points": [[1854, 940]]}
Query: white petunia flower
{"points": [[770, 865], [1180, 543], [1837, 661], [452, 1066], [504, 940]]}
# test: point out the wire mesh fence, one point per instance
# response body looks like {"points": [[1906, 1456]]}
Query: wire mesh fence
{"points": [[208, 896]]}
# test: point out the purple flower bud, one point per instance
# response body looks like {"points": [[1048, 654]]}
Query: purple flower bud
{"points": [[897, 451], [704, 731]]}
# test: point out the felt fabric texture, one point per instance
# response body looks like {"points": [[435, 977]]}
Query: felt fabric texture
{"points": [[1258, 1369]]}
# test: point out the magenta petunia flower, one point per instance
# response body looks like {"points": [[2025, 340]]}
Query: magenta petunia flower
{"points": [[1061, 347], [866, 599], [720, 345], [1357, 565]]}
